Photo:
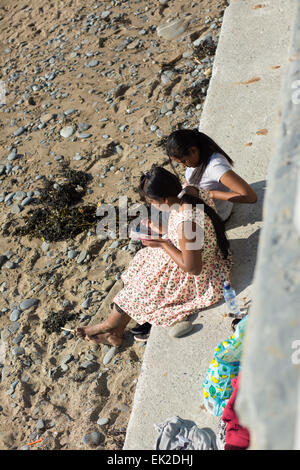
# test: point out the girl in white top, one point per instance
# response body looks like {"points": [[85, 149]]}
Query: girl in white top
{"points": [[209, 167]]}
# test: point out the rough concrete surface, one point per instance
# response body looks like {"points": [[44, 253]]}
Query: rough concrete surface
{"points": [[241, 115], [268, 401]]}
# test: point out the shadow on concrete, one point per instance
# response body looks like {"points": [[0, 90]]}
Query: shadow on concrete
{"points": [[244, 252], [245, 214], [197, 327]]}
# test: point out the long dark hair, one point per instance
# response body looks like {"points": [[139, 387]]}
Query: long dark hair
{"points": [[179, 143], [159, 183]]}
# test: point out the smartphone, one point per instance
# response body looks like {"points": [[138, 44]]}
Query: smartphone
{"points": [[141, 232]]}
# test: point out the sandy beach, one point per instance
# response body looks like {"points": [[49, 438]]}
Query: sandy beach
{"points": [[97, 86]]}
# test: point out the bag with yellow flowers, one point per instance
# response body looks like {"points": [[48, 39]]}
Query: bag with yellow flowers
{"points": [[224, 367]]}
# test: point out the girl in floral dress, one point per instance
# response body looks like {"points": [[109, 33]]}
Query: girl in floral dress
{"points": [[173, 276]]}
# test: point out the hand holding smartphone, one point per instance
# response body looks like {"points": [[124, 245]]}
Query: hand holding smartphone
{"points": [[143, 232]]}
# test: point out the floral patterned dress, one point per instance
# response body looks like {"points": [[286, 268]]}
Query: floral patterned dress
{"points": [[156, 290]]}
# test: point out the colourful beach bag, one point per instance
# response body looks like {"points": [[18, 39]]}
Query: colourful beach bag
{"points": [[224, 367]]}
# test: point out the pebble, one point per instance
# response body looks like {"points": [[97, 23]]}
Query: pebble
{"points": [[40, 425], [45, 246], [67, 131], [92, 63], [102, 421], [19, 131], [10, 265], [28, 303], [27, 200], [86, 303], [83, 135], [67, 359], [82, 256], [93, 438], [83, 126], [110, 354], [18, 351], [72, 254], [16, 209], [12, 155]]}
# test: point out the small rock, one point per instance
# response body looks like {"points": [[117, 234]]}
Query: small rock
{"points": [[110, 354], [18, 351], [45, 246], [93, 438], [67, 131], [26, 200], [72, 254], [86, 303], [82, 256], [40, 425], [28, 303], [19, 131], [15, 315], [84, 135], [102, 421]]}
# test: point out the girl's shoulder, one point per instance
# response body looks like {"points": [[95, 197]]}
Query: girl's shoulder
{"points": [[217, 159]]}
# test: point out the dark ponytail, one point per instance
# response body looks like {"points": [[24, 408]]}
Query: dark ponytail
{"points": [[159, 183], [217, 222], [179, 142]]}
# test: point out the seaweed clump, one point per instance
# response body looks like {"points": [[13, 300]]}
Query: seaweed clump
{"points": [[58, 218], [56, 320]]}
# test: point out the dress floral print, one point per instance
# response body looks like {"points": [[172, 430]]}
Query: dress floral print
{"points": [[156, 290]]}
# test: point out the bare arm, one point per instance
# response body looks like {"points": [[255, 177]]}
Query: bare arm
{"points": [[240, 191], [189, 257]]}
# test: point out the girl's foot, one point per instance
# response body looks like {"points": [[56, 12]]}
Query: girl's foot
{"points": [[107, 338], [100, 334], [88, 331]]}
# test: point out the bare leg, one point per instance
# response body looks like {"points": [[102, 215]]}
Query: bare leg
{"points": [[108, 332]]}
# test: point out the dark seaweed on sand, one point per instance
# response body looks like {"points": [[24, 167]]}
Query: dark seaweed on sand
{"points": [[57, 320], [59, 218]]}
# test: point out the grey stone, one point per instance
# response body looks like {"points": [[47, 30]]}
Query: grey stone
{"points": [[19, 196], [84, 126], [27, 200], [102, 421], [93, 438], [86, 303], [92, 63], [40, 425], [45, 246], [82, 256], [20, 131], [72, 254], [84, 135], [89, 366], [110, 354], [18, 351], [67, 131], [67, 359], [12, 155], [10, 265], [28, 303], [16, 209]]}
